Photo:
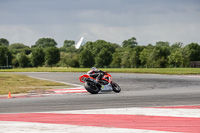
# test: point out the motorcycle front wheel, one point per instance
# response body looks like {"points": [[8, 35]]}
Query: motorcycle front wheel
{"points": [[116, 87], [91, 88]]}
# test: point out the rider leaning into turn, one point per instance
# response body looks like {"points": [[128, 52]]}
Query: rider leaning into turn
{"points": [[95, 73]]}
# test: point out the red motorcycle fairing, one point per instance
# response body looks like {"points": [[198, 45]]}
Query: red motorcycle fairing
{"points": [[82, 78], [107, 77]]}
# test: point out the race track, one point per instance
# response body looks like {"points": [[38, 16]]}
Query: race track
{"points": [[148, 103], [138, 90]]}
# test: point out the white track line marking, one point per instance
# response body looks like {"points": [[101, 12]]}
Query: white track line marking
{"points": [[57, 81], [79, 88], [194, 113], [29, 127]]}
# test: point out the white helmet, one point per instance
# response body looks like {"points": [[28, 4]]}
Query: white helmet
{"points": [[93, 68]]}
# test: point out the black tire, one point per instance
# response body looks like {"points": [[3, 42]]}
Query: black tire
{"points": [[91, 88], [116, 87]]}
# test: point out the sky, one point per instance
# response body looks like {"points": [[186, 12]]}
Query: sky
{"points": [[149, 21]]}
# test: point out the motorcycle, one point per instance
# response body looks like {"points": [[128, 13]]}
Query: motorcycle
{"points": [[104, 85]]}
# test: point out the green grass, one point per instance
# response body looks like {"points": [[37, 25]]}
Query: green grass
{"points": [[171, 71], [179, 71], [46, 69], [22, 84]]}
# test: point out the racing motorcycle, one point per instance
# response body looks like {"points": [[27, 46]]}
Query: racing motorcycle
{"points": [[104, 85]]}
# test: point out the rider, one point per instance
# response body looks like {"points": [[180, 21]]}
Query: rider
{"points": [[95, 73]]}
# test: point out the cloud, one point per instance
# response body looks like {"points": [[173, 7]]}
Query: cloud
{"points": [[115, 20], [19, 34], [109, 33]]}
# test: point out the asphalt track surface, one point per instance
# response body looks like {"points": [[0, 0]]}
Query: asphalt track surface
{"points": [[138, 90]]}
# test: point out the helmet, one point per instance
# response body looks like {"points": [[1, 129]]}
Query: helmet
{"points": [[93, 68]]}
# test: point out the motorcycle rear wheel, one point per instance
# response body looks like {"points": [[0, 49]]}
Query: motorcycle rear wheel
{"points": [[116, 87], [91, 88]]}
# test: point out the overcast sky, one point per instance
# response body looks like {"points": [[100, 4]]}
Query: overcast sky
{"points": [[25, 21]]}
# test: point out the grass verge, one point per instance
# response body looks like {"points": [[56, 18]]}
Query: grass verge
{"points": [[177, 71], [22, 84]]}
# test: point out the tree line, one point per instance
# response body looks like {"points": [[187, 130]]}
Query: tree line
{"points": [[99, 53]]}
